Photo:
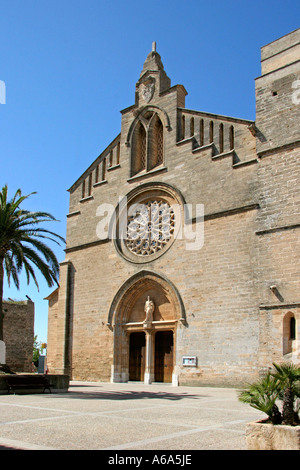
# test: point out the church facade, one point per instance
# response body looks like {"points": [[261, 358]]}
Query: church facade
{"points": [[183, 239]]}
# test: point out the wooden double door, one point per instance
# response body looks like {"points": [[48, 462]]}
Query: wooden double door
{"points": [[163, 366], [137, 356], [163, 356]]}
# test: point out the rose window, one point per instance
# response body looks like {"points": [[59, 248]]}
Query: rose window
{"points": [[150, 227]]}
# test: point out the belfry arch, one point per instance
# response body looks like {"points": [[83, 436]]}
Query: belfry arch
{"points": [[145, 339]]}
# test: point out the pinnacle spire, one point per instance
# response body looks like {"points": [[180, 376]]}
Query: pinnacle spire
{"points": [[153, 66], [153, 60]]}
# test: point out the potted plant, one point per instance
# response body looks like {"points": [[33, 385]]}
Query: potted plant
{"points": [[279, 388]]}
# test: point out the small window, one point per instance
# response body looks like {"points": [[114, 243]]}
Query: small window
{"points": [[192, 127], [97, 174], [231, 138], [289, 332], [211, 132], [292, 328], [221, 138], [90, 184], [182, 127], [111, 155], [118, 153], [103, 169], [201, 131]]}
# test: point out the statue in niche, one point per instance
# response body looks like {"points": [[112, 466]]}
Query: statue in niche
{"points": [[149, 309]]}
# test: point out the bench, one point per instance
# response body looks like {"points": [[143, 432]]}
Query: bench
{"points": [[27, 382]]}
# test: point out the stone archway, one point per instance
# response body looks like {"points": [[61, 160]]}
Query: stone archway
{"points": [[135, 327]]}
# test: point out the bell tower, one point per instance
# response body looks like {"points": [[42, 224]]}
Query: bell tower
{"points": [[278, 94]]}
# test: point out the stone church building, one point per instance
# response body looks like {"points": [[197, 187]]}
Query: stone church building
{"points": [[183, 239]]}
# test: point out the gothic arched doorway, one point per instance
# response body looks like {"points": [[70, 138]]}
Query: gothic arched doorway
{"points": [[144, 317]]}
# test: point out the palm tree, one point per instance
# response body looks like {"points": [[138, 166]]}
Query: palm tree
{"points": [[282, 384], [22, 245], [288, 375], [262, 396]]}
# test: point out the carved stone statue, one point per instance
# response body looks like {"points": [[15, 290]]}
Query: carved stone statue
{"points": [[149, 309], [148, 89]]}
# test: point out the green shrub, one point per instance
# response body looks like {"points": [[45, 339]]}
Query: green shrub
{"points": [[281, 385]]}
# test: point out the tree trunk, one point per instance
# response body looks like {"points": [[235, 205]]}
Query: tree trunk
{"points": [[288, 416], [276, 417], [1, 297]]}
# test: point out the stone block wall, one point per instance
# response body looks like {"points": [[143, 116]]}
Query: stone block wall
{"points": [[18, 330]]}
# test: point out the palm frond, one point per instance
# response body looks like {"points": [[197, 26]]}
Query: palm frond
{"points": [[22, 240], [262, 395], [288, 373]]}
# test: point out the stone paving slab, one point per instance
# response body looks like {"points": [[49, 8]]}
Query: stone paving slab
{"points": [[131, 416]]}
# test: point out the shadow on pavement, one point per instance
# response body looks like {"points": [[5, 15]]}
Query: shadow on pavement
{"points": [[127, 395], [8, 448]]}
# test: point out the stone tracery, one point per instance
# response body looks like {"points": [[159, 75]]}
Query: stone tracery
{"points": [[150, 228]]}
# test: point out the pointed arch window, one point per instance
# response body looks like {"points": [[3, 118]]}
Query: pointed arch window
{"points": [[156, 143], [147, 144], [139, 146]]}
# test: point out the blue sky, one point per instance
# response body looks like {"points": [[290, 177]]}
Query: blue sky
{"points": [[70, 67]]}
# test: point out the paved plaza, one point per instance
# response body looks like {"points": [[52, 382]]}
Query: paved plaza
{"points": [[127, 416]]}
